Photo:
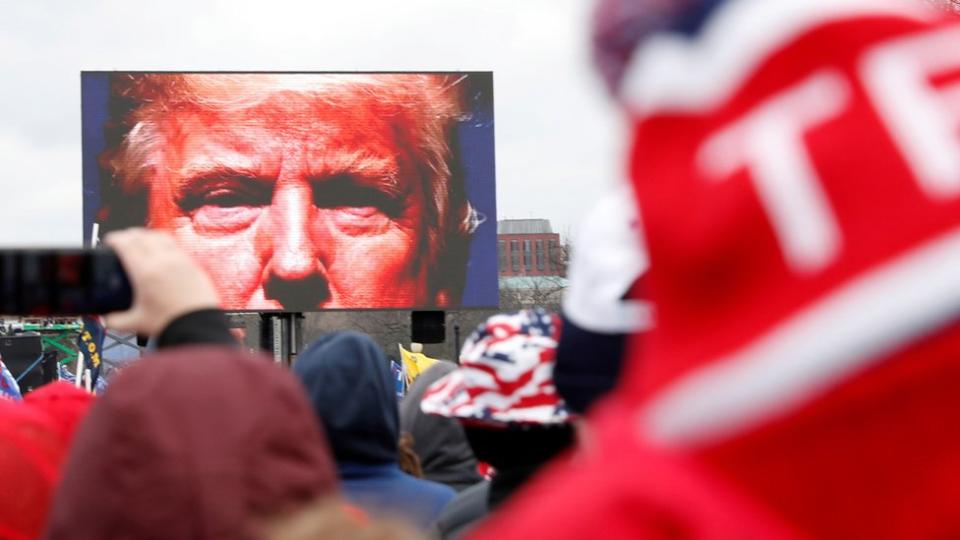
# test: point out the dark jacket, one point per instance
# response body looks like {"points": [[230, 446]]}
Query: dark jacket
{"points": [[588, 364], [463, 512], [349, 382], [201, 327], [444, 452], [196, 442], [516, 453]]}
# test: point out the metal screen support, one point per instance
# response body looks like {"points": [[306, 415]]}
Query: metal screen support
{"points": [[280, 335]]}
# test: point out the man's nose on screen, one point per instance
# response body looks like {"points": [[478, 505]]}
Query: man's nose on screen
{"points": [[294, 275]]}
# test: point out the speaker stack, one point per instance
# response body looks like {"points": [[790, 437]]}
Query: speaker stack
{"points": [[19, 353], [427, 326]]}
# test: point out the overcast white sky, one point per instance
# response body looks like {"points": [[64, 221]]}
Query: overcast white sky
{"points": [[558, 139]]}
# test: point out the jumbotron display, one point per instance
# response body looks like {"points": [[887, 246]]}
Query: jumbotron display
{"points": [[304, 191]]}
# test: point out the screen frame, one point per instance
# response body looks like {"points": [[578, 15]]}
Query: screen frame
{"points": [[475, 150]]}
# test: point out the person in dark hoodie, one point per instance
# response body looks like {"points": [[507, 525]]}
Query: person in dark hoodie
{"points": [[604, 306], [348, 380], [504, 395], [445, 455]]}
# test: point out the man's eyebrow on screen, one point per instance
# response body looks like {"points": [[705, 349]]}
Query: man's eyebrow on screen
{"points": [[362, 167], [222, 165]]}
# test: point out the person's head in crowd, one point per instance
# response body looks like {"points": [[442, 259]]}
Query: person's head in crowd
{"points": [[346, 376], [503, 394], [604, 307], [64, 403], [440, 442], [35, 436], [797, 170], [283, 185], [407, 457], [348, 379], [330, 518], [196, 442]]}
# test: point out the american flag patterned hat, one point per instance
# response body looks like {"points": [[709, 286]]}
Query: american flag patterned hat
{"points": [[505, 374]]}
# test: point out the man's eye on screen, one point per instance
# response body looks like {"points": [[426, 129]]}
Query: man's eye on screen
{"points": [[349, 195], [226, 206], [225, 193], [228, 198]]}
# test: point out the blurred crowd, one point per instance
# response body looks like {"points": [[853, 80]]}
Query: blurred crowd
{"points": [[758, 340]]}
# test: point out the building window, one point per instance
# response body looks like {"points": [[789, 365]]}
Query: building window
{"points": [[552, 255], [515, 256], [540, 255], [502, 256], [527, 256]]}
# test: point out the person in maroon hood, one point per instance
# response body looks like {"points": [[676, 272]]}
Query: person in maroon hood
{"points": [[195, 441]]}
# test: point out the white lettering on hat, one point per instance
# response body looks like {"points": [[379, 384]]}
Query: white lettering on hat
{"points": [[923, 119], [769, 142]]}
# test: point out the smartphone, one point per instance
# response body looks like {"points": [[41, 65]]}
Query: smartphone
{"points": [[73, 281]]}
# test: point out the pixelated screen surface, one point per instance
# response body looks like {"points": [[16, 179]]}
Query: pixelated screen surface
{"points": [[303, 191]]}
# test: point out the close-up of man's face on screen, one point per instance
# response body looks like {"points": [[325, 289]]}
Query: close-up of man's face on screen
{"points": [[297, 192]]}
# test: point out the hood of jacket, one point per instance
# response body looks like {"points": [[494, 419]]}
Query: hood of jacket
{"points": [[349, 383], [440, 442], [198, 442]]}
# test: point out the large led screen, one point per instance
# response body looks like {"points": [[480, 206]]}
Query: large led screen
{"points": [[303, 191]]}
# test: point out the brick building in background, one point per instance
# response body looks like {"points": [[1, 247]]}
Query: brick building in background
{"points": [[529, 247]]}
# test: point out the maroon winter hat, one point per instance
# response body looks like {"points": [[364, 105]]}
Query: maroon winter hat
{"points": [[192, 443]]}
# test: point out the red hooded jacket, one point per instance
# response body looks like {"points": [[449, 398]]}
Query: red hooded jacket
{"points": [[797, 167]]}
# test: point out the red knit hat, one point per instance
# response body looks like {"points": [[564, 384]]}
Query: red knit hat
{"points": [[797, 164], [34, 438]]}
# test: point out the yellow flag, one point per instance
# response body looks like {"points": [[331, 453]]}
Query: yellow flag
{"points": [[414, 364]]}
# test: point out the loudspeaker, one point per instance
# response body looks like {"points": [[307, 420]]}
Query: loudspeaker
{"points": [[19, 353], [428, 326], [49, 366]]}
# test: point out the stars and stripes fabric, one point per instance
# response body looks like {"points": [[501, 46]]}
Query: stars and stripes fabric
{"points": [[9, 389], [64, 374], [505, 374]]}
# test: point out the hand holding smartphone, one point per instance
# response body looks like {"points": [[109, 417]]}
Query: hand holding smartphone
{"points": [[142, 281]]}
